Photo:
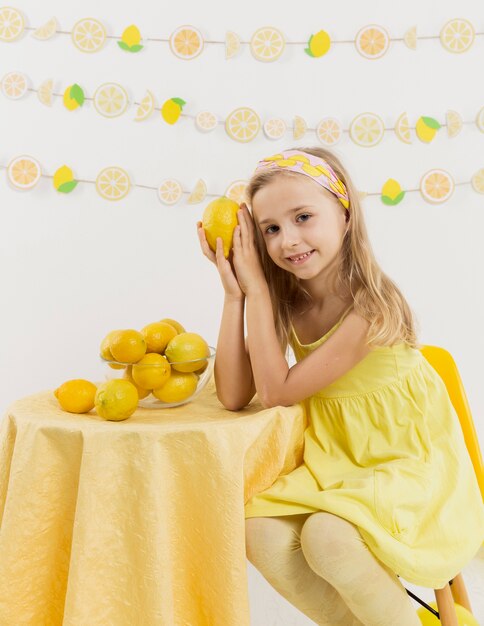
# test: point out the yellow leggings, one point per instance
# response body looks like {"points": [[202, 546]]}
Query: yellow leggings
{"points": [[320, 564]]}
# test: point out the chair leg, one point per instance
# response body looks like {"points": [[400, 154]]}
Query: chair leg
{"points": [[445, 604], [459, 592]]}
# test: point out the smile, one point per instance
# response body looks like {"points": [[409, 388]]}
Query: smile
{"points": [[300, 258]]}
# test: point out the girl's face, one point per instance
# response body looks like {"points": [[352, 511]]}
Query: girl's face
{"points": [[302, 224]]}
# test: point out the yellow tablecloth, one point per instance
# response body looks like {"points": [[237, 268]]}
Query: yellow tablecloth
{"points": [[134, 523]]}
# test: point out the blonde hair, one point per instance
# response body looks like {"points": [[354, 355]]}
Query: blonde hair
{"points": [[375, 296]]}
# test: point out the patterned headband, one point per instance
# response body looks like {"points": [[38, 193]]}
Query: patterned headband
{"points": [[313, 166]]}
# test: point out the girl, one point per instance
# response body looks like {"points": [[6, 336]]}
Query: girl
{"points": [[386, 487]]}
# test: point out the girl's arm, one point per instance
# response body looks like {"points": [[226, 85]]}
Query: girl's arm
{"points": [[233, 374]]}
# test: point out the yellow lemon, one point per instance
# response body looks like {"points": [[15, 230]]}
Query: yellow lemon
{"points": [[116, 400], [76, 396], [105, 350], [187, 347], [176, 325], [177, 388], [128, 346], [318, 44], [152, 371], [73, 97], [64, 180], [171, 110], [127, 375], [426, 128], [391, 192], [157, 335], [131, 36], [219, 220]]}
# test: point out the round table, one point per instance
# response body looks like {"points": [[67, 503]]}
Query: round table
{"points": [[139, 522]]}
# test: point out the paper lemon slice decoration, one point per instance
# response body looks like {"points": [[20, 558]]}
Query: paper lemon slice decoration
{"points": [[130, 39], [171, 110], [14, 85], [88, 35], [145, 107], [110, 100], [318, 44], [457, 35], [426, 128], [477, 181], [232, 44], [367, 129], [46, 31], [372, 41], [242, 124], [11, 24], [73, 97], [410, 38], [44, 93], [274, 128], [199, 192], [236, 191], [454, 123], [113, 183], [186, 42], [24, 172], [402, 128], [299, 128], [64, 180], [170, 191], [436, 186], [206, 121], [267, 44], [329, 131], [480, 120], [391, 192]]}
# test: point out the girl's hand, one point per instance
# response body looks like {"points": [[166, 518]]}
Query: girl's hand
{"points": [[247, 263], [224, 266]]}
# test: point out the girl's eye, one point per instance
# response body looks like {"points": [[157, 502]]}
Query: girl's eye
{"points": [[305, 215], [269, 231]]}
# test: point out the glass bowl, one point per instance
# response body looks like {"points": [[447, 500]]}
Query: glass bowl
{"points": [[116, 369]]}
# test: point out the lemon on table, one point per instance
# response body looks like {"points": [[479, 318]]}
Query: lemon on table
{"points": [[127, 375], [128, 346], [116, 399], [177, 388], [219, 220], [157, 335], [152, 371], [176, 325], [187, 347], [76, 396]]}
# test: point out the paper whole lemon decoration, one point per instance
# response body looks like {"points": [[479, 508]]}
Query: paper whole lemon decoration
{"points": [[171, 110], [116, 399], [392, 193], [318, 44], [130, 39], [187, 347], [426, 128], [64, 180], [219, 220], [73, 97], [76, 396]]}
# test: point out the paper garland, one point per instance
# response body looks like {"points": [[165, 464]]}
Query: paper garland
{"points": [[267, 44], [113, 183], [243, 124]]}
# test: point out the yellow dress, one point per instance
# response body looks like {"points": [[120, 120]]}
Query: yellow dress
{"points": [[383, 449]]}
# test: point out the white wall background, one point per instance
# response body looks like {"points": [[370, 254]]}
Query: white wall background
{"points": [[73, 267]]}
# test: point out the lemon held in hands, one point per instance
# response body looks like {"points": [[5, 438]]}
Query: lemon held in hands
{"points": [[116, 400], [76, 396], [219, 220]]}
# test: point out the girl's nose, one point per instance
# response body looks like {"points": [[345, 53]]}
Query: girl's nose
{"points": [[290, 237]]}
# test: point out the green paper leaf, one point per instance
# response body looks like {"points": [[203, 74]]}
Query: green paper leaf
{"points": [[136, 48], [431, 122], [308, 51], [393, 201], [67, 187], [77, 94], [179, 101], [124, 46]]}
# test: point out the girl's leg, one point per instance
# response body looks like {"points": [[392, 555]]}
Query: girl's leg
{"points": [[274, 548], [336, 551]]}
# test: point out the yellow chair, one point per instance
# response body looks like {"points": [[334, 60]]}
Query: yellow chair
{"points": [[444, 364]]}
